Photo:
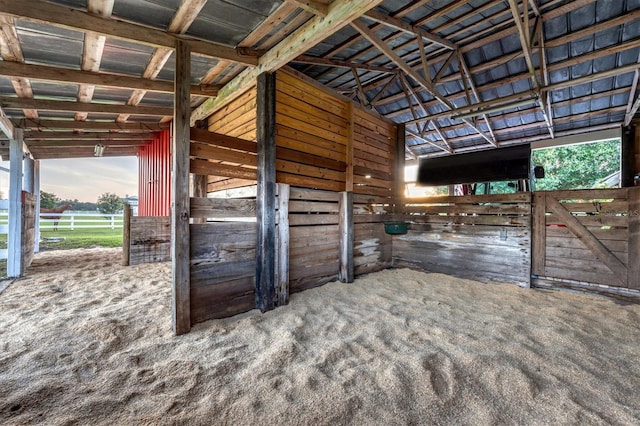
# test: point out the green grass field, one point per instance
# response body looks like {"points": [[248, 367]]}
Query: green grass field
{"points": [[64, 239]]}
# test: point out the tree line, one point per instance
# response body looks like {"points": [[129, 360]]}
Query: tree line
{"points": [[107, 203]]}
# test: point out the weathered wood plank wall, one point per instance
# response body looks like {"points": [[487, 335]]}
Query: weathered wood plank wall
{"points": [[314, 244], [484, 237], [223, 257], [149, 239], [587, 236], [372, 245]]}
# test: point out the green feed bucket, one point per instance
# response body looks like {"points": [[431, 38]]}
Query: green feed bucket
{"points": [[396, 228]]}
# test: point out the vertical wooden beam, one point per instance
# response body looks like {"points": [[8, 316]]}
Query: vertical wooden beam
{"points": [[198, 188], [398, 169], [265, 201], [282, 270], [538, 234], [14, 260], [36, 191], [633, 262], [349, 159], [181, 311], [346, 237], [126, 235]]}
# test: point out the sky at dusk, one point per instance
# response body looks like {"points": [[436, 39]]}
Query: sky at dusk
{"points": [[85, 179]]}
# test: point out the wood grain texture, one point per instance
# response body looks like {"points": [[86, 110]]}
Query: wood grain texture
{"points": [[181, 317], [633, 264]]}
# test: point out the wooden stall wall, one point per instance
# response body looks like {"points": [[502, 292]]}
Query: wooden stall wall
{"points": [[28, 228], [223, 257], [374, 145], [587, 237], [149, 239], [312, 133], [154, 176], [236, 119], [372, 246], [326, 142], [313, 238], [223, 247], [483, 237]]}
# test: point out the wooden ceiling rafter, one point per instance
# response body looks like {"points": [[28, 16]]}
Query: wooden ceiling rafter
{"points": [[526, 36], [340, 14], [92, 52], [12, 51], [31, 125], [92, 79], [182, 20], [78, 20], [315, 7], [102, 108], [363, 29], [411, 94]]}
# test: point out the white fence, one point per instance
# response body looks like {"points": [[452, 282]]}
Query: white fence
{"points": [[79, 220], [68, 221]]}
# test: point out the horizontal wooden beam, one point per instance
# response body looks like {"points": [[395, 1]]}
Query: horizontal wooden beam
{"points": [[39, 136], [66, 75], [6, 126], [305, 59], [314, 7], [83, 152], [37, 125], [78, 20], [86, 143], [340, 14], [48, 105], [408, 28]]}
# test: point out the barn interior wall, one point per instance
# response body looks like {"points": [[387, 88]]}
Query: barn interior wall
{"points": [[154, 176], [323, 144]]}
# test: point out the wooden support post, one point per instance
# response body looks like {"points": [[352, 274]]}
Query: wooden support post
{"points": [[198, 188], [282, 270], [346, 237], [265, 201], [538, 234], [36, 192], [398, 169], [126, 234], [14, 258], [633, 262], [349, 177], [180, 256]]}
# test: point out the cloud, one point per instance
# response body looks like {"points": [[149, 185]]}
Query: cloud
{"points": [[85, 179]]}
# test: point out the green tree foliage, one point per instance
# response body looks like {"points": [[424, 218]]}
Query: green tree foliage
{"points": [[576, 166], [48, 200], [109, 203], [81, 205]]}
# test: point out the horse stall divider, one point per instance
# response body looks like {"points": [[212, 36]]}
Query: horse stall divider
{"points": [[587, 239], [223, 257], [481, 237], [372, 247], [314, 240]]}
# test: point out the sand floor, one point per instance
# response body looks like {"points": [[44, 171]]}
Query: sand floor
{"points": [[84, 340]]}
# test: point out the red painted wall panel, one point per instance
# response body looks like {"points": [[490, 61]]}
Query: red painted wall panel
{"points": [[154, 174]]}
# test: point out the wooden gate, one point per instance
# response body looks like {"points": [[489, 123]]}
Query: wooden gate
{"points": [[587, 237]]}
